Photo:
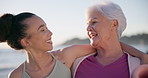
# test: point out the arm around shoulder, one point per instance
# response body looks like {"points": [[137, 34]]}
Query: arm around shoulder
{"points": [[75, 51], [17, 73], [135, 52]]}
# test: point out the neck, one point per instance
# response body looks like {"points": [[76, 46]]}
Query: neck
{"points": [[109, 52], [38, 60]]}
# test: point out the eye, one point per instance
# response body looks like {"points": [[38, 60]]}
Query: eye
{"points": [[94, 22], [46, 28], [43, 29]]}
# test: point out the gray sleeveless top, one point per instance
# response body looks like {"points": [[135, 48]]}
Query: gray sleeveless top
{"points": [[59, 71]]}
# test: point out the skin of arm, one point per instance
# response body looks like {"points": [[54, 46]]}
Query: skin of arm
{"points": [[135, 52], [75, 51], [17, 73], [69, 54]]}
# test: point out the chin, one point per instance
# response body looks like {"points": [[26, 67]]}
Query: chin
{"points": [[93, 44], [50, 48]]}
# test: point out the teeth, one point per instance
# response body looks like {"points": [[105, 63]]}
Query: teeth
{"points": [[48, 41], [92, 35]]}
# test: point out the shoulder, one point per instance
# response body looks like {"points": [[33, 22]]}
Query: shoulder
{"points": [[134, 59], [57, 54], [63, 57], [16, 73], [77, 62]]}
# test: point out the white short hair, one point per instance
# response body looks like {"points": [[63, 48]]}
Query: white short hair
{"points": [[112, 11]]}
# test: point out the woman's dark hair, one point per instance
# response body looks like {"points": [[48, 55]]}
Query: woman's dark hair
{"points": [[12, 29]]}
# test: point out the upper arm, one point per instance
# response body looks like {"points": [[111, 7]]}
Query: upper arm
{"points": [[12, 75], [72, 52], [135, 52], [76, 51], [131, 50], [17, 73]]}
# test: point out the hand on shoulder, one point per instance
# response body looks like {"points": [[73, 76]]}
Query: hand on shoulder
{"points": [[141, 71]]}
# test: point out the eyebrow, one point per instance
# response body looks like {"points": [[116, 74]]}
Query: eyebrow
{"points": [[92, 19], [41, 26]]}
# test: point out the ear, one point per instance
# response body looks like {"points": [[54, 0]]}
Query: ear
{"points": [[24, 42], [114, 24]]}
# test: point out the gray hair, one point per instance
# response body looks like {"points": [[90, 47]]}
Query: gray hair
{"points": [[112, 11]]}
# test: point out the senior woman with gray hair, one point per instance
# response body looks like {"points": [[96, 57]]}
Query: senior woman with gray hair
{"points": [[106, 22]]}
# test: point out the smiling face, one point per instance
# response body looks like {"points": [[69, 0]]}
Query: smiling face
{"points": [[100, 28], [39, 37]]}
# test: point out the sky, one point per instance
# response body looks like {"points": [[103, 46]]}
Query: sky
{"points": [[65, 18]]}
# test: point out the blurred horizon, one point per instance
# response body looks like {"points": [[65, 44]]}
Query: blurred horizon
{"points": [[127, 39]]}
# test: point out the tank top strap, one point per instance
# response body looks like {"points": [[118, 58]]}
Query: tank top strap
{"points": [[52, 55], [24, 66]]}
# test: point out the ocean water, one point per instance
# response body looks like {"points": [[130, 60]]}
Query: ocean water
{"points": [[11, 59]]}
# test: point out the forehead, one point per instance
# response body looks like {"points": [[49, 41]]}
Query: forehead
{"points": [[93, 13], [33, 23], [34, 20]]}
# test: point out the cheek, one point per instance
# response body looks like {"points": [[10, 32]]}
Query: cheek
{"points": [[36, 39], [102, 34], [97, 29]]}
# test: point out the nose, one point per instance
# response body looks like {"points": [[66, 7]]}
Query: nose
{"points": [[89, 28], [49, 33]]}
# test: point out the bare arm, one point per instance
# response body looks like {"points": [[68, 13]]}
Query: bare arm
{"points": [[17, 73], [135, 52], [75, 51]]}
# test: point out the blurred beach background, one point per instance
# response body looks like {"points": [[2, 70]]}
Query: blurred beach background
{"points": [[65, 18]]}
